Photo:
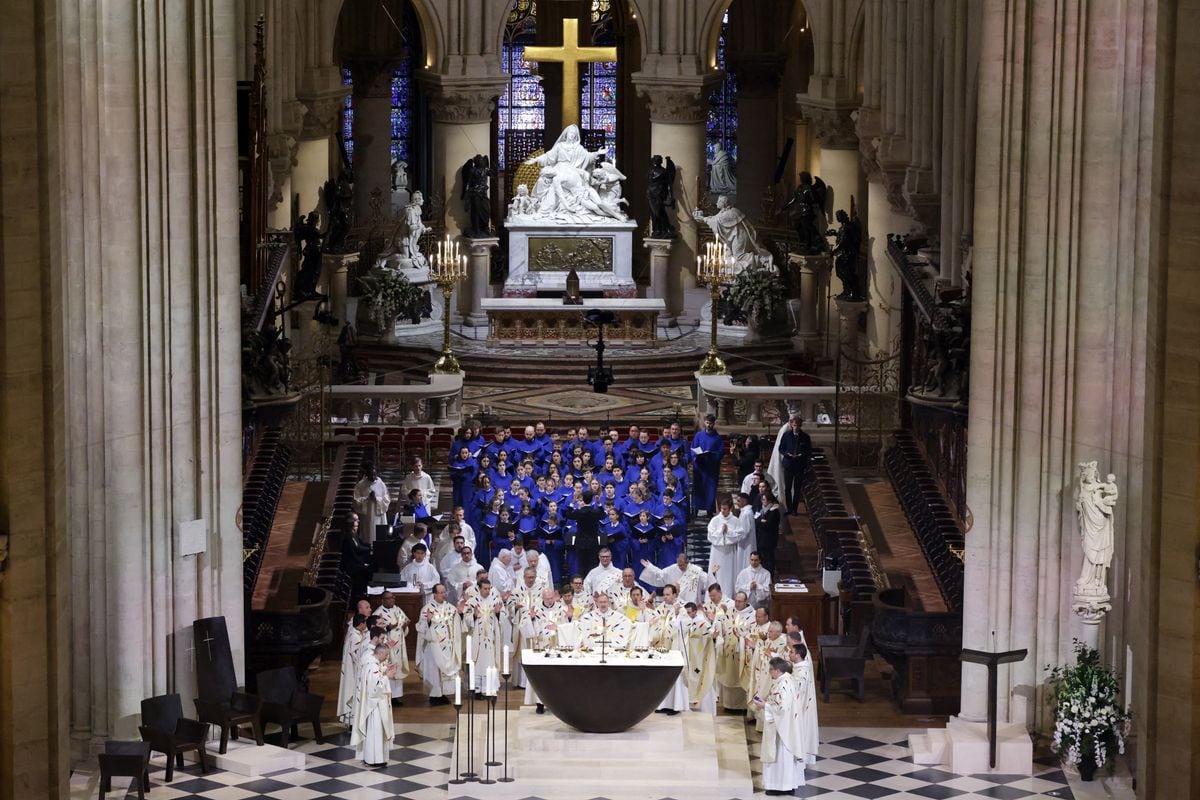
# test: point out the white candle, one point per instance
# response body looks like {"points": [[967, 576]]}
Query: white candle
{"points": [[493, 681], [506, 670], [470, 652], [458, 690], [471, 669]]}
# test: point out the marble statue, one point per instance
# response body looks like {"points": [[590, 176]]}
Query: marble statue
{"points": [[337, 196], [845, 255], [399, 175], [476, 183], [308, 239], [734, 230], [522, 204], [575, 186], [411, 256], [721, 179], [660, 194], [806, 210], [1094, 503]]}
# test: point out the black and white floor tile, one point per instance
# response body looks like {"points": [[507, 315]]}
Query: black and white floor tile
{"points": [[853, 764]]}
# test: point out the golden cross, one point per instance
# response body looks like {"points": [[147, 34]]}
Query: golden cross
{"points": [[570, 55]]}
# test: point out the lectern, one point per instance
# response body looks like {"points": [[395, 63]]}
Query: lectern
{"points": [[992, 661]]}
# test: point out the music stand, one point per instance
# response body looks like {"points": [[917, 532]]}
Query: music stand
{"points": [[992, 661]]}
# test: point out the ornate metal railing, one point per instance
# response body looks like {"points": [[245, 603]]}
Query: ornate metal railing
{"points": [[438, 402]]}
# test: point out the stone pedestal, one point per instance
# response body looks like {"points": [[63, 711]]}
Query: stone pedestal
{"points": [[814, 285], [540, 255], [661, 279], [335, 275], [850, 316], [475, 287]]}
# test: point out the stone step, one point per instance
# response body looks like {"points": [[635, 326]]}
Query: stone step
{"points": [[928, 747]]}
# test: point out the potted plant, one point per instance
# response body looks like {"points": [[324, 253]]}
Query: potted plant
{"points": [[1089, 724], [761, 293], [389, 295]]}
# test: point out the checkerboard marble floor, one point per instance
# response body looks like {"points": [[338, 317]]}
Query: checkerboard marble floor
{"points": [[852, 764]]}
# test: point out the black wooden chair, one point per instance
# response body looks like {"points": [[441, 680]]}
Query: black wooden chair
{"points": [[284, 704], [167, 731], [239, 709], [125, 760], [843, 659]]}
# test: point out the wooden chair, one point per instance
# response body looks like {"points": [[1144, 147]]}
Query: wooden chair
{"points": [[846, 660], [126, 760], [167, 731], [284, 704], [239, 709]]}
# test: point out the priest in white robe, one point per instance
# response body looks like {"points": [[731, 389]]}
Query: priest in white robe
{"points": [[371, 501], [352, 652], [483, 616], [725, 533], [667, 633], [374, 730], [603, 577], [604, 628], [701, 659], [420, 480], [774, 645], [532, 558], [461, 576], [690, 581], [783, 739], [421, 573], [806, 695], [755, 581], [746, 545], [393, 620], [539, 630], [500, 573], [727, 637], [439, 642]]}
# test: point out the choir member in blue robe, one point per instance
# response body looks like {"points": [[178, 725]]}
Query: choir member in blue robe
{"points": [[622, 449], [577, 467], [527, 524], [501, 442], [644, 445], [550, 543], [481, 500], [506, 532], [463, 469], [525, 476], [567, 491], [527, 446], [417, 500], [662, 458], [620, 486], [644, 535], [634, 505], [618, 537], [607, 450], [672, 538], [706, 465], [634, 467], [678, 443], [544, 441], [606, 470], [553, 464], [668, 503], [608, 495], [500, 474]]}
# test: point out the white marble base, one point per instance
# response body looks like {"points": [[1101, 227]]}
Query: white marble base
{"points": [[728, 331], [244, 757], [691, 755], [962, 748], [521, 279]]}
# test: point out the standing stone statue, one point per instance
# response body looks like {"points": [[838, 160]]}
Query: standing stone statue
{"points": [[721, 178], [337, 197], [733, 229], [411, 256], [661, 196], [806, 210], [399, 174], [845, 256], [522, 204], [307, 236], [476, 183], [1094, 503]]}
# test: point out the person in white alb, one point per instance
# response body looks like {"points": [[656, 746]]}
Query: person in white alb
{"points": [[806, 695], [420, 573], [783, 736], [755, 581], [602, 577], [393, 620], [373, 726], [371, 501], [419, 479], [725, 533], [461, 575], [748, 542], [690, 581]]}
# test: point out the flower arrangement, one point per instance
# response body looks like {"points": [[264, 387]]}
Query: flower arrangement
{"points": [[761, 294], [1089, 725], [390, 294]]}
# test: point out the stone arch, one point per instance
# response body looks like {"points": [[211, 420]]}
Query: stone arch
{"points": [[632, 7], [856, 49], [433, 37]]}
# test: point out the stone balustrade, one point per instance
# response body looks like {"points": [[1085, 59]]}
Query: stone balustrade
{"points": [[438, 402], [719, 395]]}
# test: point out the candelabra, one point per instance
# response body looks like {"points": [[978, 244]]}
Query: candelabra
{"points": [[447, 268], [715, 269]]}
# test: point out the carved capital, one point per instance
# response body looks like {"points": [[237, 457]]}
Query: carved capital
{"points": [[322, 113], [833, 125], [675, 104], [462, 102], [282, 149]]}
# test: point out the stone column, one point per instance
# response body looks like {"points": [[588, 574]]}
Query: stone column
{"points": [[814, 286], [282, 150], [475, 287], [372, 136], [462, 127], [850, 319], [314, 151], [678, 113], [758, 78], [661, 277]]}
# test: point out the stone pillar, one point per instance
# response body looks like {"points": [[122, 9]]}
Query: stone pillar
{"points": [[850, 319], [372, 137], [661, 276], [814, 289], [757, 135], [314, 153], [335, 271], [475, 287], [678, 113], [282, 150], [883, 324], [462, 127]]}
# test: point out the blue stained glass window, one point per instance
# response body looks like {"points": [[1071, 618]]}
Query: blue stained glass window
{"points": [[523, 104], [402, 111], [348, 115], [598, 90], [722, 103]]}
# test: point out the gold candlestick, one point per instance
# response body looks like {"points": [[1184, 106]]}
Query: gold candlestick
{"points": [[714, 269], [447, 267]]}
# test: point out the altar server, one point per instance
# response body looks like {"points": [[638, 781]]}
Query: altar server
{"points": [[725, 533], [371, 500], [755, 581], [373, 728], [420, 480], [420, 572]]}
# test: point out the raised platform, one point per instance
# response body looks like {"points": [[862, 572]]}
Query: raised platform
{"points": [[691, 755], [548, 321], [244, 757], [962, 748]]}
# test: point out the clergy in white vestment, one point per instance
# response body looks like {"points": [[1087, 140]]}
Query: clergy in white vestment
{"points": [[532, 558], [454, 555], [352, 647], [755, 581], [746, 545], [602, 628], [393, 620], [690, 581], [775, 470], [727, 636], [525, 596], [806, 695], [420, 480], [421, 573], [783, 737], [725, 533], [619, 592], [373, 730], [602, 577], [462, 575], [464, 527], [371, 501], [483, 617], [539, 629], [701, 659], [773, 645], [417, 535], [500, 573], [667, 633], [439, 643]]}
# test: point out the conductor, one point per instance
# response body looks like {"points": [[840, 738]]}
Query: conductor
{"points": [[588, 539]]}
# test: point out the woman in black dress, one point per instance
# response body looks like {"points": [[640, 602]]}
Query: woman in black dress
{"points": [[748, 454], [766, 528]]}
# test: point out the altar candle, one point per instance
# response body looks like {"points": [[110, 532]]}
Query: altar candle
{"points": [[471, 668], [458, 690], [506, 670], [469, 651]]}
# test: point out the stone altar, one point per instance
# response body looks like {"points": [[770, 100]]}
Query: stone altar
{"points": [[540, 254], [548, 321]]}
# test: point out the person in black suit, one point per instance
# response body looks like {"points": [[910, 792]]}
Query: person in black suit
{"points": [[588, 538], [795, 449]]}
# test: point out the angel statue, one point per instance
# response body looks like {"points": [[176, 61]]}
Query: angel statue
{"points": [[806, 210], [476, 181], [1094, 503]]}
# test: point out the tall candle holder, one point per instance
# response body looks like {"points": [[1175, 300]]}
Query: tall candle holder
{"points": [[457, 779], [715, 269], [447, 267], [506, 778]]}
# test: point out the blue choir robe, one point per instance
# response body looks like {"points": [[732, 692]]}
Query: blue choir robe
{"points": [[660, 508], [495, 448], [513, 501], [644, 545], [486, 531], [680, 446], [480, 505], [527, 527], [545, 445], [649, 448], [550, 543], [605, 477], [503, 537], [462, 475], [671, 541], [631, 508], [618, 541], [624, 451], [529, 484], [706, 469], [501, 477], [523, 449]]}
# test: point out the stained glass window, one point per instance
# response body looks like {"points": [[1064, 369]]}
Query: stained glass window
{"points": [[722, 103], [348, 115], [598, 90], [402, 110], [523, 104]]}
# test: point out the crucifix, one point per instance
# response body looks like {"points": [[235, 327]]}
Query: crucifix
{"points": [[208, 640], [570, 55]]}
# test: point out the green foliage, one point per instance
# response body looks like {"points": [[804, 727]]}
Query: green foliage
{"points": [[761, 294], [1088, 720], [389, 295]]}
